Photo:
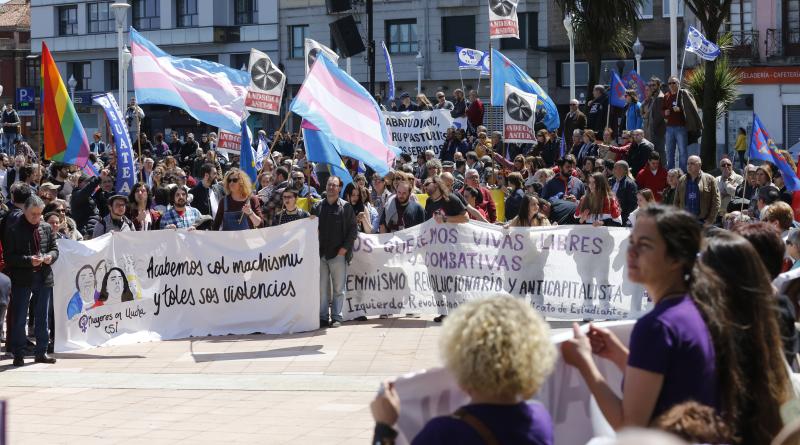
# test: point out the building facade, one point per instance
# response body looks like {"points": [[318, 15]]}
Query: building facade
{"points": [[17, 69]]}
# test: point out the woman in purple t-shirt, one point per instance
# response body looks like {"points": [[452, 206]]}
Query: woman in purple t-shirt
{"points": [[499, 351], [671, 357]]}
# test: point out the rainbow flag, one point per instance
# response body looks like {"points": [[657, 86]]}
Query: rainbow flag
{"points": [[64, 137]]}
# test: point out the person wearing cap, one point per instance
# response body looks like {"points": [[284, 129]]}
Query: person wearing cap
{"points": [[115, 221], [405, 103], [47, 192]]}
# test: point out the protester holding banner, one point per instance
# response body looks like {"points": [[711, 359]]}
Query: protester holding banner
{"points": [[241, 209], [337, 233], [442, 103], [662, 252], [29, 249], [181, 215], [115, 220], [529, 213], [139, 209], [290, 212], [501, 330]]}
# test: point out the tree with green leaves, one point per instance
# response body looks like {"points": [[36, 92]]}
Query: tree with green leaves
{"points": [[711, 15], [602, 27]]}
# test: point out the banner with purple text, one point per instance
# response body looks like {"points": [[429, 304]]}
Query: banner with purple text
{"points": [[131, 287], [568, 272]]}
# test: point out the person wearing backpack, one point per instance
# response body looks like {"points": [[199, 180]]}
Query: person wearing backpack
{"points": [[115, 221]]}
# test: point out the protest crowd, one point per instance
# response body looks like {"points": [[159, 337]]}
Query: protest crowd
{"points": [[706, 243]]}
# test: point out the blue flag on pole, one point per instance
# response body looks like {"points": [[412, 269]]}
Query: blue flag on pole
{"points": [[616, 96], [698, 44], [321, 151], [763, 147], [468, 58], [389, 70], [634, 82], [126, 173], [562, 148], [485, 62], [504, 71], [247, 159]]}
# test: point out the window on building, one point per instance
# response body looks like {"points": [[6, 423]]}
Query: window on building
{"points": [[82, 72], [101, 18], [528, 33], [33, 74], [245, 11], [67, 20], [186, 13], [208, 57], [297, 35], [665, 8], [146, 14], [112, 74], [740, 19], [646, 9], [458, 31], [240, 60], [401, 36]]}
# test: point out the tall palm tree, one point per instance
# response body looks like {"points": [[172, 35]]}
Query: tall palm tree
{"points": [[602, 26], [711, 15]]}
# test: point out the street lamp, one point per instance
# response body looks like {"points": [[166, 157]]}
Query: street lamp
{"points": [[420, 61], [571, 35], [126, 61], [638, 50], [72, 84], [120, 9]]}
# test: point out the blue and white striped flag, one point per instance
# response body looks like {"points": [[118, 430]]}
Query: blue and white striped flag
{"points": [[389, 70], [698, 44]]}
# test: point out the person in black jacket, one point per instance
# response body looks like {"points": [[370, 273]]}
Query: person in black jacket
{"points": [[625, 188], [30, 249], [459, 104], [639, 153], [206, 189], [598, 109], [337, 233], [82, 203]]}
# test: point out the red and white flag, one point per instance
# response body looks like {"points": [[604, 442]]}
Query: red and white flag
{"points": [[503, 21], [267, 82]]}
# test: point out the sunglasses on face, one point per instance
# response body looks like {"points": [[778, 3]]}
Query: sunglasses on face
{"points": [[673, 83], [233, 179]]}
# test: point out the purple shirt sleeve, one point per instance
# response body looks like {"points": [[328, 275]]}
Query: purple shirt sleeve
{"points": [[650, 346]]}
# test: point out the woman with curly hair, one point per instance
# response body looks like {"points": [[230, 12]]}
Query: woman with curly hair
{"points": [[499, 352]]}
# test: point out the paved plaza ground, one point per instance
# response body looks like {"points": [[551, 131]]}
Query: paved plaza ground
{"points": [[307, 388]]}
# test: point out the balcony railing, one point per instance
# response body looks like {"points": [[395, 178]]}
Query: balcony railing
{"points": [[11, 44], [780, 43], [744, 45]]}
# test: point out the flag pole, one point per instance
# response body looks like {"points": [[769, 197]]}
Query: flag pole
{"points": [[139, 142], [274, 140], [479, 84], [460, 76]]}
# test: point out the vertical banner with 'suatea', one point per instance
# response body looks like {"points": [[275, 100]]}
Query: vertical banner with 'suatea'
{"points": [[130, 287], [565, 272]]}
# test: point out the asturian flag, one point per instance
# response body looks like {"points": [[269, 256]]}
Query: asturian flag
{"points": [[504, 71], [763, 147], [698, 44], [347, 115]]}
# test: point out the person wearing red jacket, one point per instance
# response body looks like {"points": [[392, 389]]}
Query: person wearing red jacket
{"points": [[475, 110], [653, 176]]}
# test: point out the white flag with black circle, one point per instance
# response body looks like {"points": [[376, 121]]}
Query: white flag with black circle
{"points": [[518, 116], [312, 51], [267, 82], [503, 21]]}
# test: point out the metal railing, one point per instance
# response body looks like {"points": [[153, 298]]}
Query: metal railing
{"points": [[773, 43], [744, 45]]}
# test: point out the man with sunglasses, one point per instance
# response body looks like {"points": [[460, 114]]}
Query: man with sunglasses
{"points": [[442, 103], [727, 183], [303, 189]]}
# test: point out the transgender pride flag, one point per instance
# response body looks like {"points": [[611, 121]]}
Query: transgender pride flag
{"points": [[209, 92], [346, 114]]}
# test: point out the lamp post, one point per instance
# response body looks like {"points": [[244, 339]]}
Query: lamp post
{"points": [[126, 61], [571, 36], [120, 9], [72, 83], [673, 37], [638, 50], [420, 61]]}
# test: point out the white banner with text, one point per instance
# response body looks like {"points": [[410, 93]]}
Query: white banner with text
{"points": [[131, 287], [568, 272], [417, 131]]}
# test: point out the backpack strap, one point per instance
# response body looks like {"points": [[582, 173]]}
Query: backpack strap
{"points": [[477, 425]]}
